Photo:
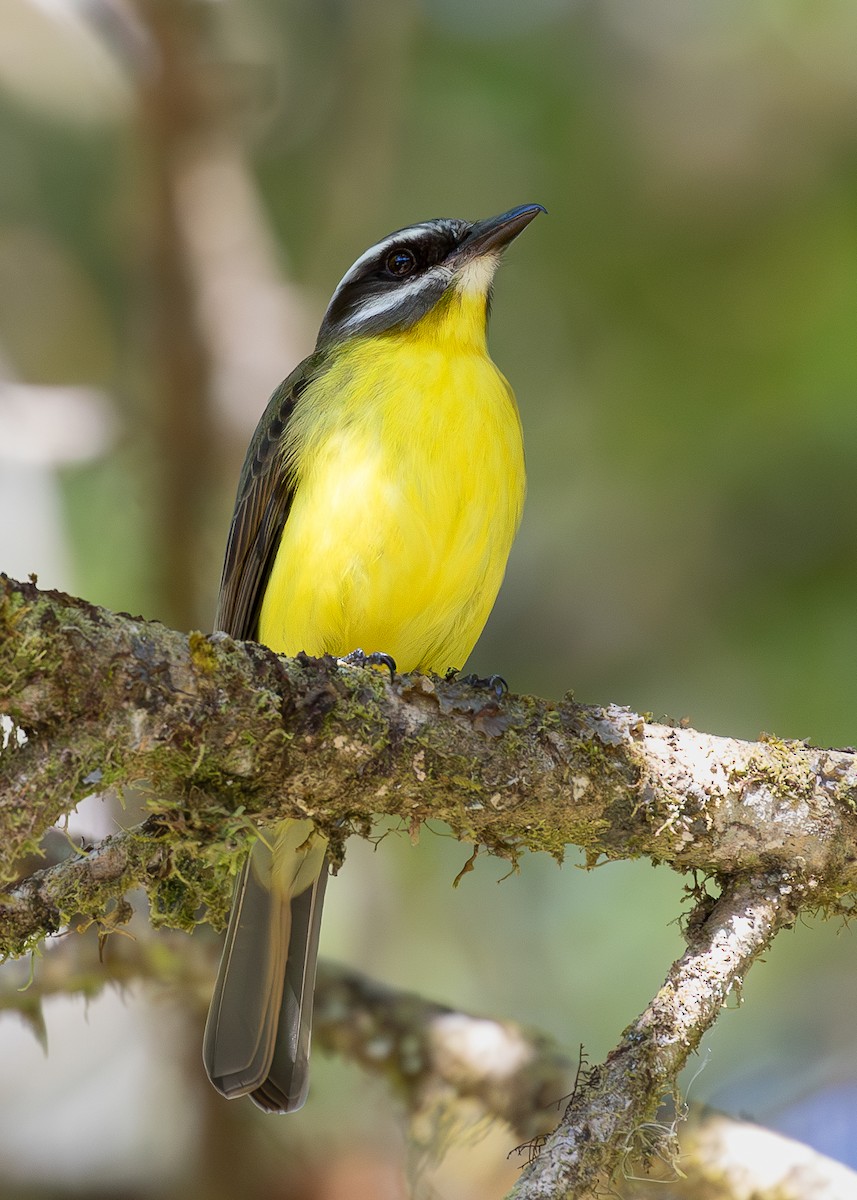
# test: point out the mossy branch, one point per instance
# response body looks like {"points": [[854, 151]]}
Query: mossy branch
{"points": [[448, 1068], [218, 731], [223, 734]]}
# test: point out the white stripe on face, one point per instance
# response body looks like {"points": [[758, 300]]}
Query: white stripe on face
{"points": [[402, 293], [404, 235]]}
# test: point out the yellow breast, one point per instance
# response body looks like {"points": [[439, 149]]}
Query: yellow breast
{"points": [[409, 483]]}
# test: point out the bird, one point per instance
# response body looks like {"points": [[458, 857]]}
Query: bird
{"points": [[375, 513]]}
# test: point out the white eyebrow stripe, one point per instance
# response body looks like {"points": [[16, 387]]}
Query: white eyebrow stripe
{"points": [[396, 295], [391, 240]]}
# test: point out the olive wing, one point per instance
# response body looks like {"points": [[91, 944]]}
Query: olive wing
{"points": [[265, 494]]}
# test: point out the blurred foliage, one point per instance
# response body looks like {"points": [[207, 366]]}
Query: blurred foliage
{"points": [[679, 332]]}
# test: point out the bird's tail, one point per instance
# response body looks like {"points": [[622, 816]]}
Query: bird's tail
{"points": [[258, 1029]]}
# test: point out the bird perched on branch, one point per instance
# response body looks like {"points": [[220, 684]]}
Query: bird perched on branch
{"points": [[376, 509]]}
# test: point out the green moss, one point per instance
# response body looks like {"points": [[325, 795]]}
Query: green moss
{"points": [[789, 777], [846, 794], [202, 653]]}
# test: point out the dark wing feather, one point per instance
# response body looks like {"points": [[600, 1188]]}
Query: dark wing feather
{"points": [[258, 1029], [265, 493]]}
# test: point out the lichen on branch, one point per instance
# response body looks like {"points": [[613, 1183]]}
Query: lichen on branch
{"points": [[220, 734]]}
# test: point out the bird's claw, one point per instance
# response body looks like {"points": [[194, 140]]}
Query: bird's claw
{"points": [[492, 683], [359, 658]]}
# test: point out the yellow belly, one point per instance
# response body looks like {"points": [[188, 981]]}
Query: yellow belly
{"points": [[409, 484]]}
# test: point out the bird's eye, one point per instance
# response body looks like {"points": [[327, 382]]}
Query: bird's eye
{"points": [[401, 263]]}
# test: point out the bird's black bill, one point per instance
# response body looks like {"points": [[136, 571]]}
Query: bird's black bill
{"points": [[495, 233]]}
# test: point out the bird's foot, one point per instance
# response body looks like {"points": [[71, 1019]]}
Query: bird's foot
{"points": [[492, 683], [358, 658]]}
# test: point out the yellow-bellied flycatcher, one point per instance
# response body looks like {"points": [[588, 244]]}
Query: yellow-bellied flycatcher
{"points": [[376, 509]]}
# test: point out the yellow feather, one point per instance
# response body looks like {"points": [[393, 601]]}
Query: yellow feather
{"points": [[405, 462], [408, 464]]}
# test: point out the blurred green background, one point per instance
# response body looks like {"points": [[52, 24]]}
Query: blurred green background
{"points": [[183, 183]]}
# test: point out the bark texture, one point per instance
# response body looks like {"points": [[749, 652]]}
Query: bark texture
{"points": [[222, 736]]}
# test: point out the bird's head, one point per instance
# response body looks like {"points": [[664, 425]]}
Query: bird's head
{"points": [[445, 266]]}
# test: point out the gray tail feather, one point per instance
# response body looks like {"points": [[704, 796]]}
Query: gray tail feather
{"points": [[258, 1029], [285, 1088]]}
